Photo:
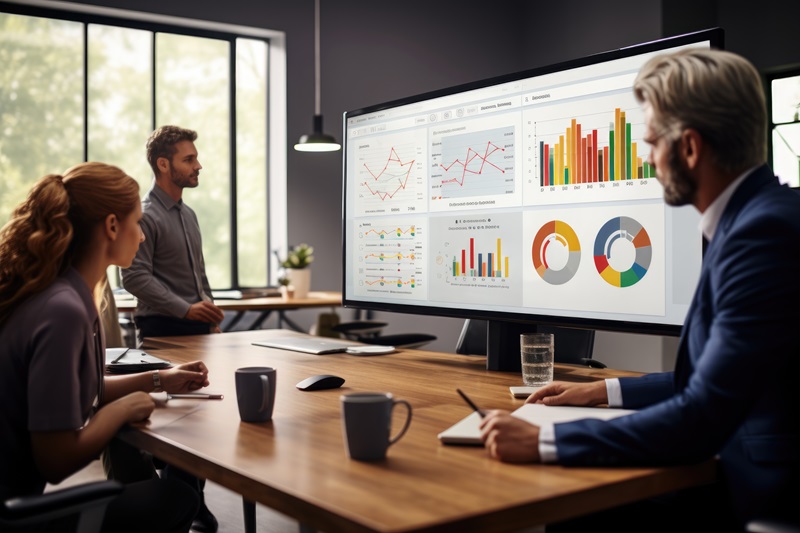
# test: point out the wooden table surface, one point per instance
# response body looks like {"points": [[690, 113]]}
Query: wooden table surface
{"points": [[314, 299], [297, 463]]}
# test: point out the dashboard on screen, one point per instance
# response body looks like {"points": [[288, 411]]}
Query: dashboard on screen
{"points": [[524, 198]]}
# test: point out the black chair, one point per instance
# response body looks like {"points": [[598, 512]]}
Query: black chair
{"points": [[572, 346], [88, 501], [773, 526], [370, 332]]}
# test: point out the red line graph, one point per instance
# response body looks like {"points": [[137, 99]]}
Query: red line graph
{"points": [[401, 177], [471, 156]]}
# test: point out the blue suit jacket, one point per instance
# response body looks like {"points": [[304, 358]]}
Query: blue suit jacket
{"points": [[731, 393]]}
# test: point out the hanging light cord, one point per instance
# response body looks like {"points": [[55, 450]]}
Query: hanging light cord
{"points": [[317, 107]]}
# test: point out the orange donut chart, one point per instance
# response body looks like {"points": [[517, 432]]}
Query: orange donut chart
{"points": [[556, 231]]}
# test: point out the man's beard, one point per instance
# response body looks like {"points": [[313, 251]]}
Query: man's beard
{"points": [[680, 187], [182, 180]]}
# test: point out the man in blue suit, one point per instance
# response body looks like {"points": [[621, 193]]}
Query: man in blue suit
{"points": [[731, 393]]}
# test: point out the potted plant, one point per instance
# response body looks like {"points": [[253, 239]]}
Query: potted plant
{"points": [[296, 269], [287, 290]]}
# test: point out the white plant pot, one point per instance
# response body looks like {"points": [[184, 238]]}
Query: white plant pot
{"points": [[300, 280]]}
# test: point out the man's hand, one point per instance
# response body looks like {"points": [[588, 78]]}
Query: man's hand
{"points": [[510, 439], [205, 312], [564, 393]]}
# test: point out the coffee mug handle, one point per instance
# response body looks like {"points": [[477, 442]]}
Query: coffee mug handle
{"points": [[264, 393], [408, 421]]}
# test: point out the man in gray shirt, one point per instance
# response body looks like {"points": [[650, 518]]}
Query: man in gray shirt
{"points": [[168, 275]]}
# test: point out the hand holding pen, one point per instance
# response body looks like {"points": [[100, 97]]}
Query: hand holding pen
{"points": [[481, 412]]}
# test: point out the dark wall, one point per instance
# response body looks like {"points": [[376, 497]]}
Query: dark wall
{"points": [[560, 31], [374, 51]]}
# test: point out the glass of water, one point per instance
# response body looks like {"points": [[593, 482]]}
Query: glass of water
{"points": [[537, 351]]}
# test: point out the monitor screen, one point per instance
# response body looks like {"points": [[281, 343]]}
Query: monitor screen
{"points": [[524, 198]]}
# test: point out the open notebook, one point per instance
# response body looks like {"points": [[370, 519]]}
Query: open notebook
{"points": [[129, 361], [466, 431]]}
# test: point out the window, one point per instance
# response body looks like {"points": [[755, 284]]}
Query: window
{"points": [[783, 94], [92, 85]]}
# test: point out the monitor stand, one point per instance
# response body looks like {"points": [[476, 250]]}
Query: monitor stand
{"points": [[502, 344]]}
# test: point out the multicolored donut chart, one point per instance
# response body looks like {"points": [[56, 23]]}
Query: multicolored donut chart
{"points": [[556, 231], [622, 228]]}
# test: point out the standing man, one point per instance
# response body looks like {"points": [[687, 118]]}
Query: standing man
{"points": [[168, 275], [731, 394]]}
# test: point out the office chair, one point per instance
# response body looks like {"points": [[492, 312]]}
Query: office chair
{"points": [[572, 346], [370, 331], [88, 501], [772, 526]]}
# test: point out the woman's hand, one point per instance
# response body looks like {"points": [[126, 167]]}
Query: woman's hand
{"points": [[136, 406], [187, 377]]}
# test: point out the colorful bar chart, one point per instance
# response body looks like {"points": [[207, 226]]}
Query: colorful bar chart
{"points": [[577, 157], [482, 265]]}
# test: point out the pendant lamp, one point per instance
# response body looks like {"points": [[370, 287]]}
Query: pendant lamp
{"points": [[317, 141]]}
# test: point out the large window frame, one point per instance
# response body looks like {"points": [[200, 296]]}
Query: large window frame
{"points": [[276, 93], [781, 125]]}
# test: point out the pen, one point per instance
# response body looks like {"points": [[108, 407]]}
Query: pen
{"points": [[471, 403], [120, 356], [197, 395]]}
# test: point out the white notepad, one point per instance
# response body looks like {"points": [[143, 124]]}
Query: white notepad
{"points": [[466, 430]]}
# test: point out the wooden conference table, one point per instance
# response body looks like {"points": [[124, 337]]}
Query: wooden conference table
{"points": [[264, 306], [297, 464]]}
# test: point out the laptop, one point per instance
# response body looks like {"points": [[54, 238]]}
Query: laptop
{"points": [[308, 344], [467, 430]]}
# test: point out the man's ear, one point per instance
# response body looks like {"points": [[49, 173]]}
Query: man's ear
{"points": [[692, 147], [111, 226], [162, 163]]}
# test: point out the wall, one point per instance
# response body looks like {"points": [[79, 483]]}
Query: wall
{"points": [[376, 51]]}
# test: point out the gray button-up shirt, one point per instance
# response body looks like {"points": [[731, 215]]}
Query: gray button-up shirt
{"points": [[168, 274]]}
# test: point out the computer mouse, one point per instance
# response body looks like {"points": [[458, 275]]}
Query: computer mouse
{"points": [[320, 382]]}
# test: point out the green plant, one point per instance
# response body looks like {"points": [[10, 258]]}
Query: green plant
{"points": [[299, 256], [283, 281]]}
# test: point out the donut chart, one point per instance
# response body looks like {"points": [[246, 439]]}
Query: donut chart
{"points": [[630, 230], [552, 232]]}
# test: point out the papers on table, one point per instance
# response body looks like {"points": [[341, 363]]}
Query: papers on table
{"points": [[466, 431]]}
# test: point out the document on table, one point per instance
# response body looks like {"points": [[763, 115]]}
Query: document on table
{"points": [[467, 430]]}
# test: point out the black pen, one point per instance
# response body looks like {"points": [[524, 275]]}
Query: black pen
{"points": [[471, 403], [120, 356]]}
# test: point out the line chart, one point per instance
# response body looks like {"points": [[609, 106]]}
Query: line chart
{"points": [[390, 258], [390, 176], [393, 174], [478, 163]]}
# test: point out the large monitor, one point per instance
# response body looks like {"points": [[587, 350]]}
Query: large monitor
{"points": [[526, 198]]}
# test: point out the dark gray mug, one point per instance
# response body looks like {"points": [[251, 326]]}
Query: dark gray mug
{"points": [[255, 393], [367, 421]]}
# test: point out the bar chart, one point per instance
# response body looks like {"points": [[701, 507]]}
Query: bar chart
{"points": [[592, 154], [486, 264]]}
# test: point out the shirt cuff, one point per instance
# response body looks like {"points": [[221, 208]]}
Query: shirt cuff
{"points": [[614, 391], [547, 443]]}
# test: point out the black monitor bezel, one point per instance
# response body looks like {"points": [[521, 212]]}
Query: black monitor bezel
{"points": [[715, 36]]}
